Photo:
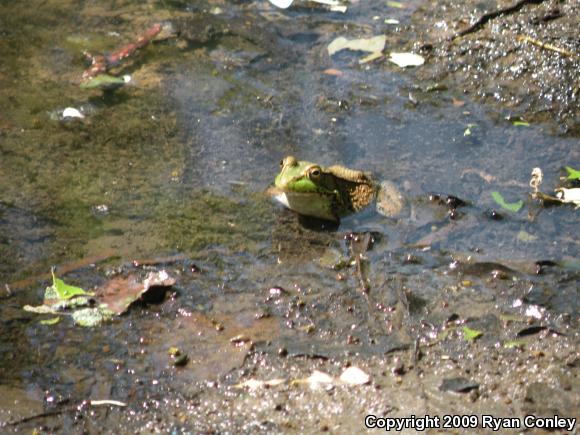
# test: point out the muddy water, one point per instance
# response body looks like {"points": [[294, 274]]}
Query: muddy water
{"points": [[178, 162]]}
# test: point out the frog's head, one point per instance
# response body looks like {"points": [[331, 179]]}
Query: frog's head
{"points": [[300, 177], [305, 188]]}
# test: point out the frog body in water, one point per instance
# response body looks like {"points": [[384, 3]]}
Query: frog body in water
{"points": [[324, 193]]}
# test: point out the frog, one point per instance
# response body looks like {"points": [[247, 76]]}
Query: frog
{"points": [[326, 193]]}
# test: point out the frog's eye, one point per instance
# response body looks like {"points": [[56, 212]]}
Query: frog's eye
{"points": [[315, 173]]}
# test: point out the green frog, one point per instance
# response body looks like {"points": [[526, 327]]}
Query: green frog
{"points": [[328, 193]]}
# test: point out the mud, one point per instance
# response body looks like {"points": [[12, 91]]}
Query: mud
{"points": [[522, 58]]}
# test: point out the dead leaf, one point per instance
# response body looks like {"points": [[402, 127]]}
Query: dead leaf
{"points": [[120, 292], [354, 376], [333, 72]]}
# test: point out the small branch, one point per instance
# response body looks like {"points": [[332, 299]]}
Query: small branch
{"points": [[63, 269], [100, 63], [491, 15], [67, 409], [546, 46], [358, 248]]}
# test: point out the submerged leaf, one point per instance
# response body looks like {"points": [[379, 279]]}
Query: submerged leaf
{"points": [[120, 292], [458, 385], [524, 236], [513, 206], [404, 60], [40, 309], [573, 174], [376, 44], [103, 81], [514, 343], [92, 316], [471, 334], [52, 321]]}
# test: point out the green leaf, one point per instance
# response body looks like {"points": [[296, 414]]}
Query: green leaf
{"points": [[471, 334], [395, 4], [521, 123], [513, 206], [52, 321], [467, 131], [65, 291], [573, 174]]}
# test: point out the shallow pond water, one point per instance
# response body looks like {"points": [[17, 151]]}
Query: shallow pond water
{"points": [[178, 163]]}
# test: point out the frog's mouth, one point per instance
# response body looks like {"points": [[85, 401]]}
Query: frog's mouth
{"points": [[305, 203]]}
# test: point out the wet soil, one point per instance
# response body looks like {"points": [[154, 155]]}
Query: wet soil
{"points": [[519, 57], [177, 163]]}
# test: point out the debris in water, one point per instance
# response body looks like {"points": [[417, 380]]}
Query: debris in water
{"points": [[404, 60], [373, 45]]}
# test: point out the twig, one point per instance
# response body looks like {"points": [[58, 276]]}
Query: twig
{"points": [[63, 269], [358, 248], [67, 409], [101, 63], [41, 415], [546, 46], [491, 15]]}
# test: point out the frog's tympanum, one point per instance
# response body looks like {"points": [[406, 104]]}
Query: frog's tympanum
{"points": [[325, 193]]}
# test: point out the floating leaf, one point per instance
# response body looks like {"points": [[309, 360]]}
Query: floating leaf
{"points": [[514, 207], [65, 291], [521, 123], [52, 321], [404, 60], [376, 44], [395, 4], [471, 334], [103, 81], [573, 174]]}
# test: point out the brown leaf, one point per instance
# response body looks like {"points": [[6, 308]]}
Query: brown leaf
{"points": [[120, 292]]}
